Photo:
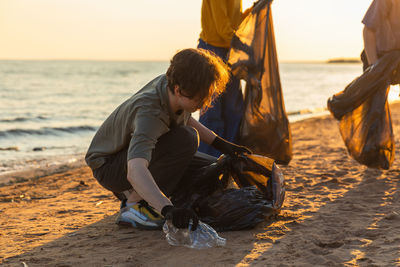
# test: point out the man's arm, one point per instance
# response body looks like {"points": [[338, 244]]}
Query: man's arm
{"points": [[220, 144], [370, 45], [143, 182], [206, 135]]}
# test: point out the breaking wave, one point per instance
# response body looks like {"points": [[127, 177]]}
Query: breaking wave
{"points": [[48, 131]]}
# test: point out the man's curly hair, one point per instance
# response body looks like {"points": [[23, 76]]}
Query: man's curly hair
{"points": [[199, 74]]}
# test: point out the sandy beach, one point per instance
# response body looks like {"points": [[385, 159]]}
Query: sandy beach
{"points": [[336, 213]]}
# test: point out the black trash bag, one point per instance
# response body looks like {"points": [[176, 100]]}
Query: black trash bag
{"points": [[260, 195], [265, 127], [202, 183], [262, 172], [368, 134], [364, 116], [375, 78], [234, 209]]}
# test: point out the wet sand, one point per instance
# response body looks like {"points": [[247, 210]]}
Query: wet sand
{"points": [[336, 213]]}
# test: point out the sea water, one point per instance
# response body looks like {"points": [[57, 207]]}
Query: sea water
{"points": [[50, 110]]}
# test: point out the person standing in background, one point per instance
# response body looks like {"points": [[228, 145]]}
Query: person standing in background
{"points": [[381, 31], [219, 20]]}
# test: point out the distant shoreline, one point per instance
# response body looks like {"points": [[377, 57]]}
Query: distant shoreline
{"points": [[344, 60]]}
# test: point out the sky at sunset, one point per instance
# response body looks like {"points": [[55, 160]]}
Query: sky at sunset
{"points": [[307, 30]]}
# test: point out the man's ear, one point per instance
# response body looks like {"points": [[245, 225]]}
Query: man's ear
{"points": [[177, 92]]}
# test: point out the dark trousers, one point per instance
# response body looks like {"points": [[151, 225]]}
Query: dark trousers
{"points": [[174, 158], [225, 115]]}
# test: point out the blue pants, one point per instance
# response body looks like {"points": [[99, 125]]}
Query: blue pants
{"points": [[225, 115]]}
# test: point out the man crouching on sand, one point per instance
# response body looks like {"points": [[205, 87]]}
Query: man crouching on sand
{"points": [[144, 148]]}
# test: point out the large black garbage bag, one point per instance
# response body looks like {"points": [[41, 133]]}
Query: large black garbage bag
{"points": [[260, 195], [265, 126], [234, 209], [367, 132], [364, 115], [262, 172], [375, 78]]}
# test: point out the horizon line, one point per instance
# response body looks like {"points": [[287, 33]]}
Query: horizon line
{"points": [[161, 60]]}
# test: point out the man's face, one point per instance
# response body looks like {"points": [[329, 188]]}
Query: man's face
{"points": [[189, 104]]}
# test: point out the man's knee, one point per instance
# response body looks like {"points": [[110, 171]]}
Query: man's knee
{"points": [[188, 137]]}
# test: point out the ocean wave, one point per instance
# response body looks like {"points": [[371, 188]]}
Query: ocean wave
{"points": [[22, 119], [47, 131]]}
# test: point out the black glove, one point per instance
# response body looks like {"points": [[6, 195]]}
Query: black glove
{"points": [[229, 148], [180, 217]]}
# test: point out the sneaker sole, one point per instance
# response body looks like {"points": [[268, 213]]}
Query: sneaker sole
{"points": [[138, 226]]}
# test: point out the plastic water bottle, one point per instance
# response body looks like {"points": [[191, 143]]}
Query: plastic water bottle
{"points": [[203, 237]]}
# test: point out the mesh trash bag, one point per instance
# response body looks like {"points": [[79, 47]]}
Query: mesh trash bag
{"points": [[364, 115], [260, 195], [252, 57]]}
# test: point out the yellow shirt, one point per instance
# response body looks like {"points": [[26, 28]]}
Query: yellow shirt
{"points": [[219, 20]]}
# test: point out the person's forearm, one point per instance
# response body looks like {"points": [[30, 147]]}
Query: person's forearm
{"points": [[206, 135], [370, 45], [143, 183]]}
